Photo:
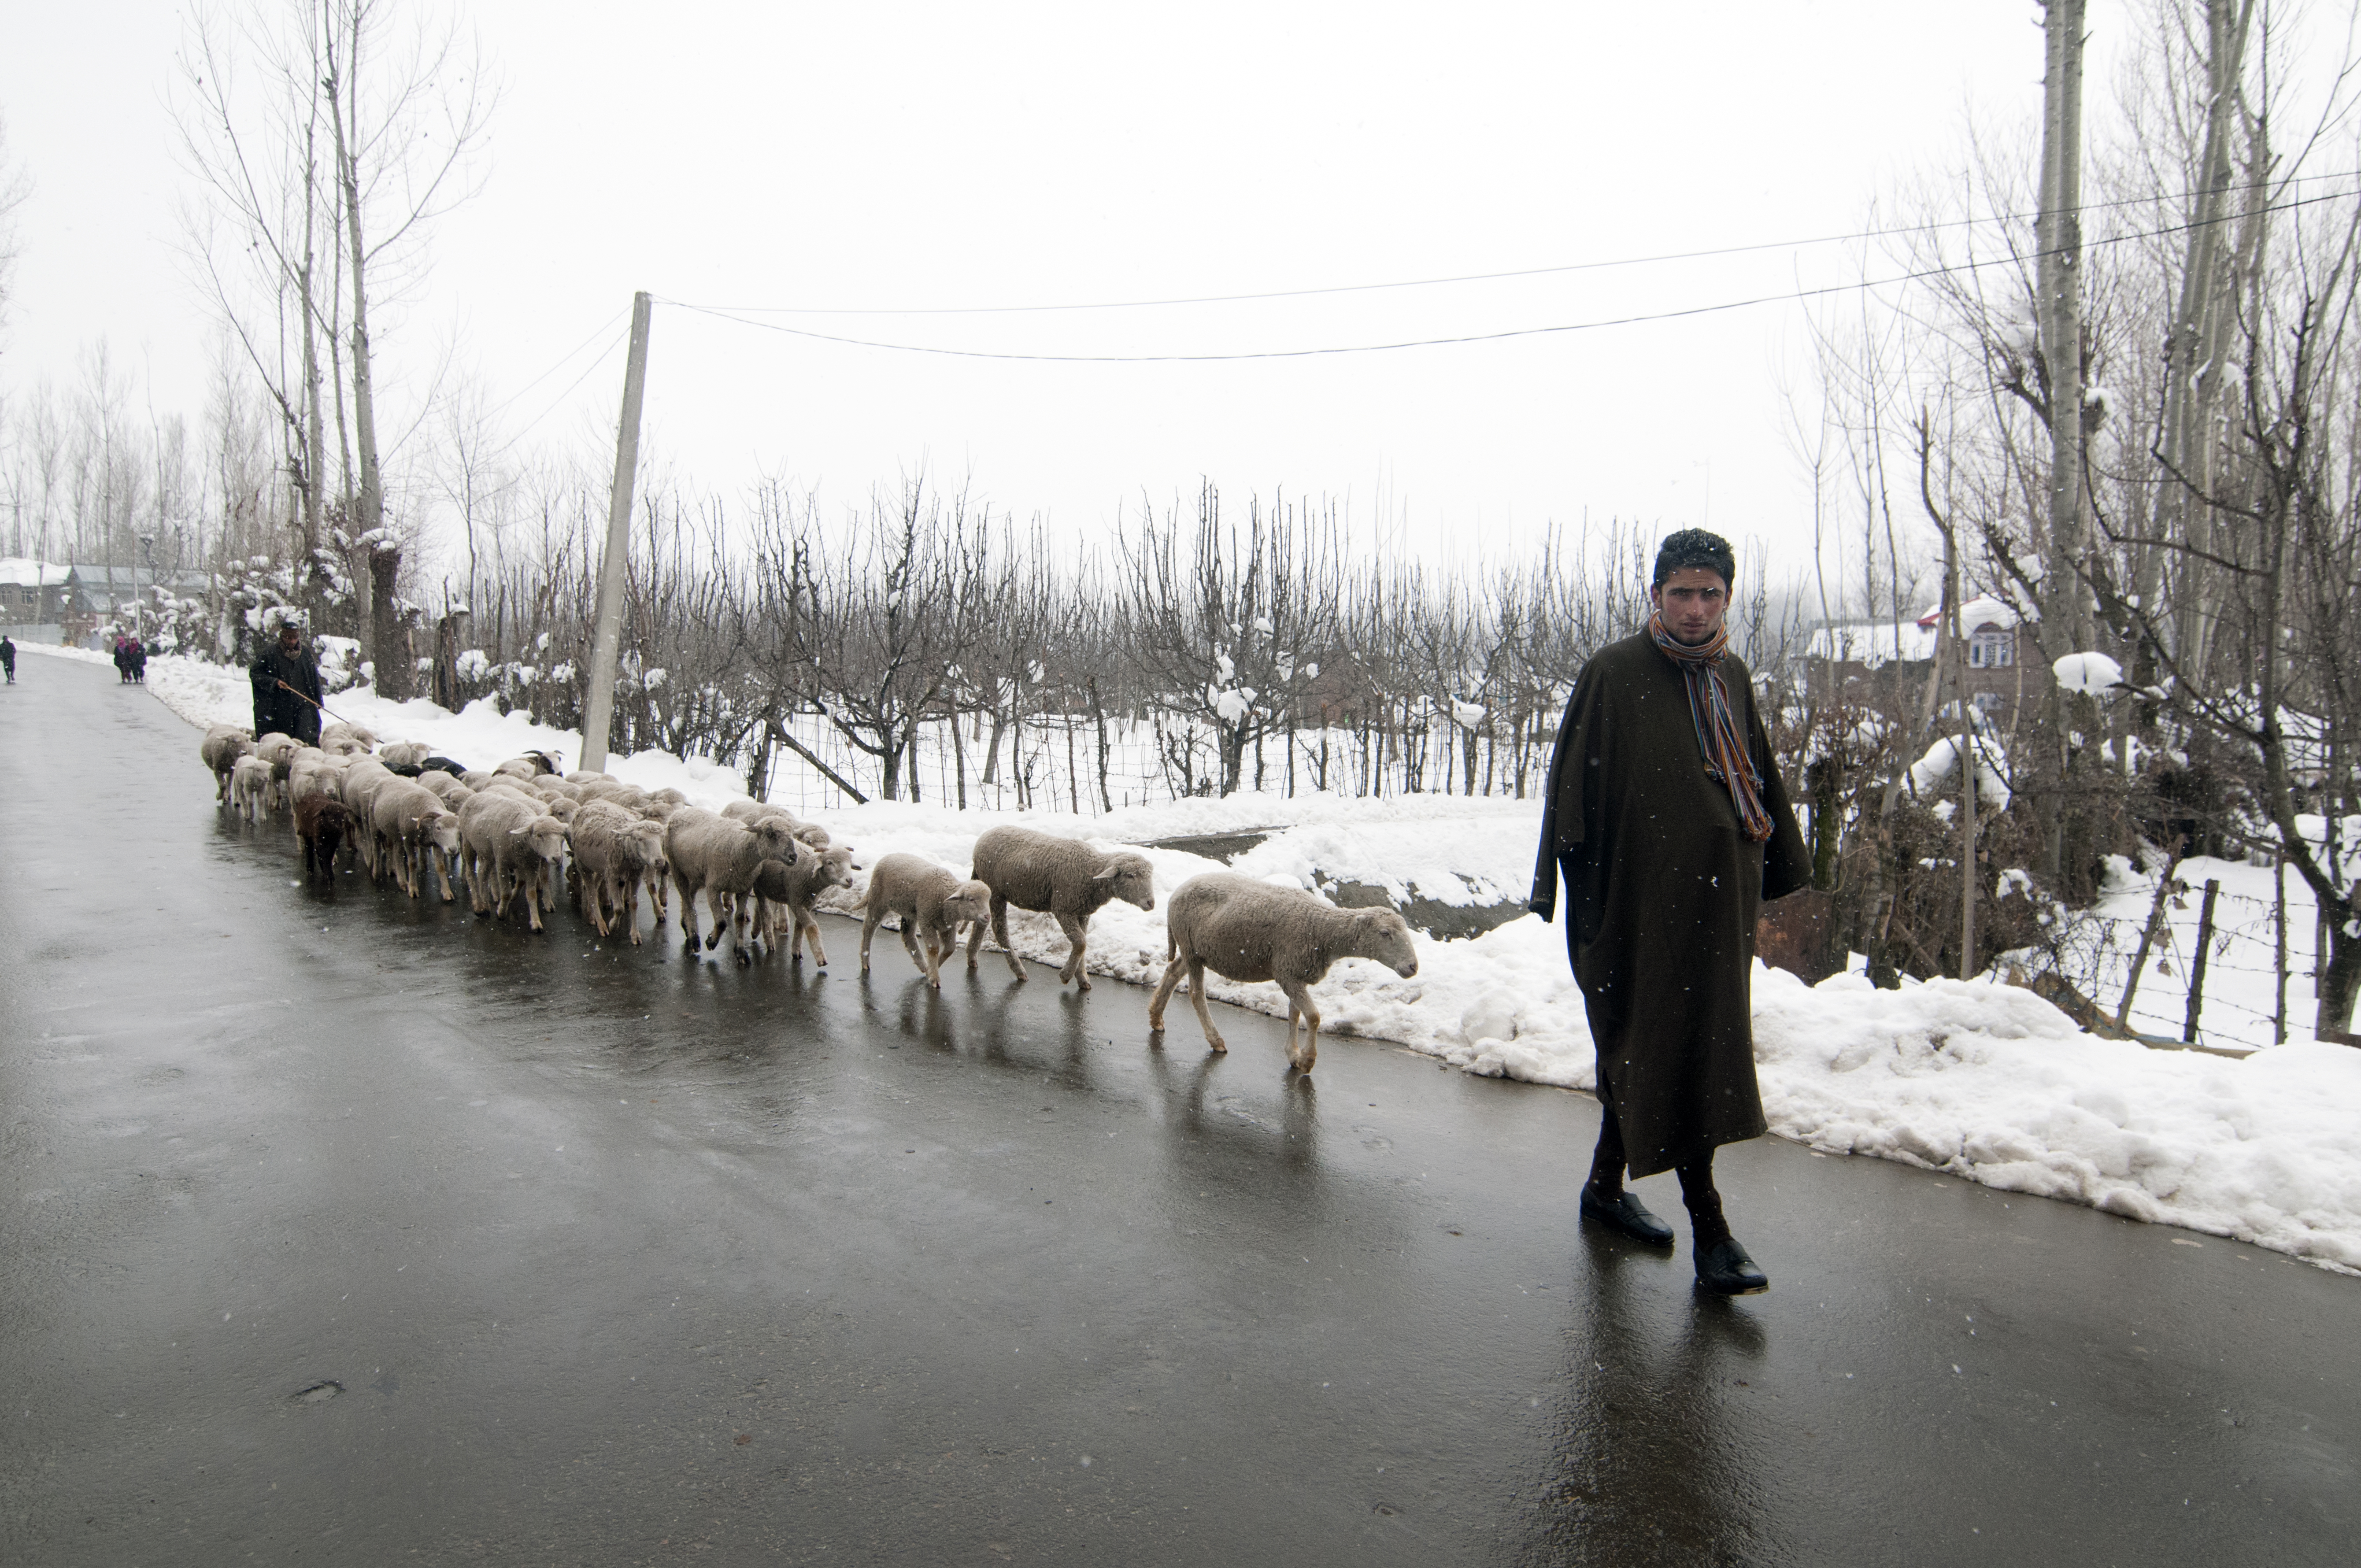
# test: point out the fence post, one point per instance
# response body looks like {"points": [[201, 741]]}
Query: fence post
{"points": [[2147, 941], [2197, 965]]}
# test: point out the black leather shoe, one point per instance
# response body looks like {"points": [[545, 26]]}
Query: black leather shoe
{"points": [[1724, 1269], [1629, 1216]]}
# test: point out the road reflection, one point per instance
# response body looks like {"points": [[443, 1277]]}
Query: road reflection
{"points": [[1646, 1467]]}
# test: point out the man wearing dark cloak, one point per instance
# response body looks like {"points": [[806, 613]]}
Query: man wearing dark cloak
{"points": [[1668, 819], [287, 689]]}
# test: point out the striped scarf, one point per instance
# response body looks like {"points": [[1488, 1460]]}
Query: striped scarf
{"points": [[1726, 759]]}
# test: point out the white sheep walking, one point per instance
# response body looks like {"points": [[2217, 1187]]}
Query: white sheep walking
{"points": [[931, 903], [1248, 930], [1067, 879]]}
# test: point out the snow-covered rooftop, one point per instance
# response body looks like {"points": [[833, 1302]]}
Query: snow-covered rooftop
{"points": [[24, 572], [1873, 642]]}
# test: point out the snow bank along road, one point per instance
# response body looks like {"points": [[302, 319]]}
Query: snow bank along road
{"points": [[337, 1224], [1980, 1080]]}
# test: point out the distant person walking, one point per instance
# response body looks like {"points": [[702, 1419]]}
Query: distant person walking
{"points": [[287, 689], [135, 658], [122, 653], [8, 658], [1669, 821]]}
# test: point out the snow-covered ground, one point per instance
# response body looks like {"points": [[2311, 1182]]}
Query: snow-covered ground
{"points": [[1980, 1079]]}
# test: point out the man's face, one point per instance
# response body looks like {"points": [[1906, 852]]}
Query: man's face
{"points": [[291, 640], [1692, 600]]}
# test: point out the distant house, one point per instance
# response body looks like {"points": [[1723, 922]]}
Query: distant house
{"points": [[1884, 663], [32, 593]]}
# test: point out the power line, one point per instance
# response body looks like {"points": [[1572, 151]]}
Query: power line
{"points": [[1684, 312], [1482, 276], [598, 332], [612, 344]]}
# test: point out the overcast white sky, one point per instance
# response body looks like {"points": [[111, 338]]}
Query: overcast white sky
{"points": [[900, 156]]}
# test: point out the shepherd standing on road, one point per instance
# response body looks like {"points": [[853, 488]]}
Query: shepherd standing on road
{"points": [[1667, 816], [287, 689], [8, 658]]}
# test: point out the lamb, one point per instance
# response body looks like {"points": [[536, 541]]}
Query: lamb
{"points": [[338, 731], [1245, 929], [810, 833], [532, 764], [249, 788], [322, 776], [323, 827], [284, 768], [931, 900], [614, 851], [794, 888], [719, 858], [404, 753], [363, 778], [269, 747], [223, 744], [511, 845], [447, 786], [408, 822], [1063, 876]]}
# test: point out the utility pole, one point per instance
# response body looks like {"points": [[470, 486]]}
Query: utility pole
{"points": [[599, 705]]}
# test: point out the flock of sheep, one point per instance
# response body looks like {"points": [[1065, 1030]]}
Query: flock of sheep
{"points": [[515, 834]]}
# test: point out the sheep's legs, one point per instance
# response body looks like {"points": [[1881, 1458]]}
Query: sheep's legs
{"points": [[869, 921], [591, 892], [1298, 1000], [939, 946], [808, 926], [1000, 934], [1197, 997], [1078, 934], [1172, 969]]}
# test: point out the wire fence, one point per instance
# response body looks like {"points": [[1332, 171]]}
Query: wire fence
{"points": [[2096, 955]]}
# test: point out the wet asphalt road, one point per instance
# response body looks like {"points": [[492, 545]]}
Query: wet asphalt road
{"points": [[341, 1228]]}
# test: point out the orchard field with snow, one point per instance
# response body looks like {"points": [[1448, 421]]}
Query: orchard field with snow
{"points": [[1980, 1079]]}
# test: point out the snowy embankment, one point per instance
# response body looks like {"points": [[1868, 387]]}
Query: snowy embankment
{"points": [[1985, 1081]]}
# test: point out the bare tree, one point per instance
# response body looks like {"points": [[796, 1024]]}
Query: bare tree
{"points": [[364, 131], [1228, 627]]}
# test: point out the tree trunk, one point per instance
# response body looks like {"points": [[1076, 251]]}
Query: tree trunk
{"points": [[368, 499], [2064, 592], [2339, 973], [389, 637], [2193, 374]]}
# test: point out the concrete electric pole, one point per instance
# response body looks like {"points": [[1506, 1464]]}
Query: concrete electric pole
{"points": [[598, 703]]}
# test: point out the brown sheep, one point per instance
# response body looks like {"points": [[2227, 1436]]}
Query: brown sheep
{"points": [[323, 827]]}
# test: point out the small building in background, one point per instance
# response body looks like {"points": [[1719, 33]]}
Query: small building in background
{"points": [[33, 593], [1883, 664]]}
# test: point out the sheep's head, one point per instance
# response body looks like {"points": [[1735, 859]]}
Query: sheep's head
{"points": [[1128, 877], [778, 843], [646, 841], [1385, 937], [834, 868], [547, 837], [812, 833], [971, 901], [440, 830]]}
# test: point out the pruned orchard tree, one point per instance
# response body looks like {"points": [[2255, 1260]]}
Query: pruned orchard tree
{"points": [[1228, 627], [328, 136]]}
